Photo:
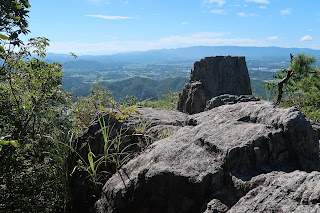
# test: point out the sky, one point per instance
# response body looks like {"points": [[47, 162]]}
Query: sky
{"points": [[96, 27]]}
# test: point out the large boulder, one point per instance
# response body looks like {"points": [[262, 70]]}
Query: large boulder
{"points": [[138, 131], [210, 164], [211, 77]]}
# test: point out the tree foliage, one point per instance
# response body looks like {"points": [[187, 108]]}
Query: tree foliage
{"points": [[33, 115], [34, 123], [13, 22], [300, 84]]}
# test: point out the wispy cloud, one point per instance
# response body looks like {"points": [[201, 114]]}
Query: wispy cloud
{"points": [[263, 7], [219, 3], [243, 14], [174, 41], [109, 17], [306, 38], [218, 12], [272, 38], [184, 22], [125, 2], [259, 1], [207, 35], [100, 1], [286, 11]]}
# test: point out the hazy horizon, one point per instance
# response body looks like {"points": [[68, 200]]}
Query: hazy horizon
{"points": [[144, 51]]}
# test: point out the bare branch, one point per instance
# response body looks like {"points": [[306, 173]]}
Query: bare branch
{"points": [[283, 81]]}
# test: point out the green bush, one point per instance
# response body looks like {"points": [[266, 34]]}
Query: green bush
{"points": [[33, 119], [168, 101], [300, 86]]}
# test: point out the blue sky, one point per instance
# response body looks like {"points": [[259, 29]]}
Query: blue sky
{"points": [[94, 27]]}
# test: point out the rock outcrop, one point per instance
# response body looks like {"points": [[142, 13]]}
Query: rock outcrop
{"points": [[211, 77], [224, 158], [155, 124]]}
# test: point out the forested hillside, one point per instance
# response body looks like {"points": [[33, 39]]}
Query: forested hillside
{"points": [[141, 88], [146, 88]]}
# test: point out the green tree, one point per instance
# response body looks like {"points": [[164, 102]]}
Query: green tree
{"points": [[33, 116], [299, 85], [33, 113], [13, 22], [31, 94]]}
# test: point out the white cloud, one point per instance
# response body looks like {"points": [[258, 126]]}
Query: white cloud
{"points": [[286, 11], [306, 38], [109, 17], [174, 41], [218, 12], [243, 14], [259, 1], [184, 22], [207, 35], [125, 2], [100, 1], [263, 7], [272, 38], [219, 3]]}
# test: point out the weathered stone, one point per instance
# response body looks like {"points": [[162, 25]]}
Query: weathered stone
{"points": [[157, 124], [216, 159], [215, 206], [211, 77], [297, 191], [228, 99], [316, 127]]}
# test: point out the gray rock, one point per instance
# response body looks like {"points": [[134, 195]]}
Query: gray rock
{"points": [[214, 159], [297, 191], [316, 127], [228, 99], [211, 77], [157, 124], [216, 206]]}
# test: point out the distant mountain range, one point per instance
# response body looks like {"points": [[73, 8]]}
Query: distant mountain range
{"points": [[188, 53]]}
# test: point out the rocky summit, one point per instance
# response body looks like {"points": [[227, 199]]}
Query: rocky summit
{"points": [[227, 159], [211, 77]]}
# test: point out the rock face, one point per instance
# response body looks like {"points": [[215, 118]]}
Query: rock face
{"points": [[228, 99], [297, 191], [225, 159], [211, 77], [157, 124], [316, 128]]}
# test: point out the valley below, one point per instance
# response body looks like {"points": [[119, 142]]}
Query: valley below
{"points": [[147, 75]]}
